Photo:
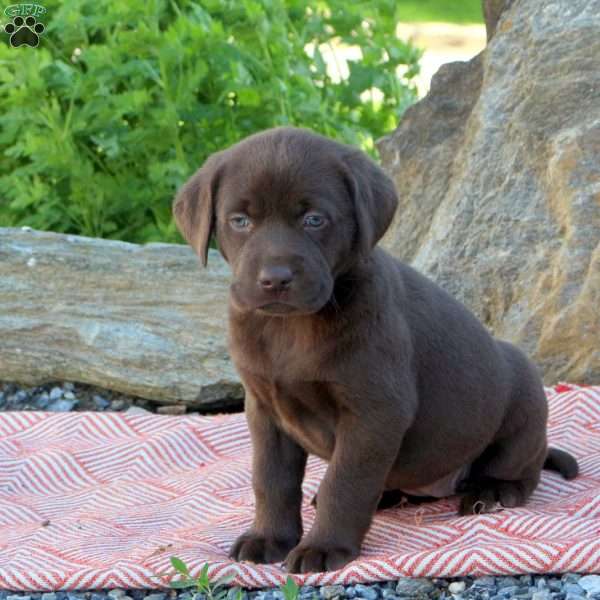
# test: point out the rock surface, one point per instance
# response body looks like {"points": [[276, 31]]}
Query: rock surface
{"points": [[142, 320], [499, 181]]}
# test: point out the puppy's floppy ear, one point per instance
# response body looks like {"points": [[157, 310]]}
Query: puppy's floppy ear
{"points": [[194, 206], [373, 195]]}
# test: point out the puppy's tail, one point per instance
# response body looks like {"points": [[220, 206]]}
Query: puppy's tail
{"points": [[563, 462]]}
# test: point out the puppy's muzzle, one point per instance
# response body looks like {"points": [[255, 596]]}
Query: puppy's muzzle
{"points": [[275, 279]]}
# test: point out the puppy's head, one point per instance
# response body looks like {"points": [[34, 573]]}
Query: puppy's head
{"points": [[291, 211]]}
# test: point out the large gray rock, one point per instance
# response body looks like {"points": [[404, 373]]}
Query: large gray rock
{"points": [[143, 320], [499, 178]]}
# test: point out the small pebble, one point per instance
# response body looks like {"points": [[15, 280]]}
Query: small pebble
{"points": [[591, 584], [366, 592], [457, 587], [137, 410], [43, 400], [332, 591], [414, 586], [525, 590], [117, 404], [541, 584], [100, 402], [69, 395], [55, 393], [541, 595], [510, 591], [484, 582], [573, 588], [49, 596], [504, 582], [62, 405], [172, 409], [350, 592], [116, 593], [155, 596]]}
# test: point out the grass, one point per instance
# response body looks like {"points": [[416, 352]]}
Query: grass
{"points": [[447, 11], [216, 590]]}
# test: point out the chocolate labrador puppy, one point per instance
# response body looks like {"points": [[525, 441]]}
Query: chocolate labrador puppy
{"points": [[349, 354]]}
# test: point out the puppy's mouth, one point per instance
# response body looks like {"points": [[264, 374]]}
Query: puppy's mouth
{"points": [[277, 308], [281, 304]]}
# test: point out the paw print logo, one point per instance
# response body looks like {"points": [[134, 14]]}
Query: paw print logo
{"points": [[24, 31]]}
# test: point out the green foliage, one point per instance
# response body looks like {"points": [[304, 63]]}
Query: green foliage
{"points": [[215, 590], [211, 590], [122, 101], [459, 11], [290, 589]]}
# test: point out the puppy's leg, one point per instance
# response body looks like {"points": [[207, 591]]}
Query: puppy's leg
{"points": [[509, 470], [277, 473], [365, 450]]}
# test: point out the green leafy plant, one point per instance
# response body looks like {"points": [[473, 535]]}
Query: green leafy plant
{"points": [[215, 590], [290, 589], [122, 101], [211, 590]]}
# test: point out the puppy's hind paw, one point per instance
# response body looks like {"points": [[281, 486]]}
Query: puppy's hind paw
{"points": [[492, 496]]}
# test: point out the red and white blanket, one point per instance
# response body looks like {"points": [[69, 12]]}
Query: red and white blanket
{"points": [[101, 500]]}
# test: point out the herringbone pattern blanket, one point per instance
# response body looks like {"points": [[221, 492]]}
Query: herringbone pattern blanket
{"points": [[96, 500]]}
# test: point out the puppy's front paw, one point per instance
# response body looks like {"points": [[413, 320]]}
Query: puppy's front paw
{"points": [[261, 549], [314, 557]]}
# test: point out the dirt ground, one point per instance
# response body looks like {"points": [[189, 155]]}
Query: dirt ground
{"points": [[442, 42]]}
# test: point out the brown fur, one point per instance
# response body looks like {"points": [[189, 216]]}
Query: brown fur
{"points": [[349, 354]]}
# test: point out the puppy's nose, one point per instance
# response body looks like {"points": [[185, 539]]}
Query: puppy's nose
{"points": [[275, 278]]}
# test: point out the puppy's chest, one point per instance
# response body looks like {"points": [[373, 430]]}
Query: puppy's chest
{"points": [[288, 374], [278, 354], [306, 410]]}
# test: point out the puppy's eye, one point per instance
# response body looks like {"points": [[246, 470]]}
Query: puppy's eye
{"points": [[240, 222], [313, 221]]}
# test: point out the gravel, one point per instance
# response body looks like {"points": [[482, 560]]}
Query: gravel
{"points": [[570, 586], [67, 396]]}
